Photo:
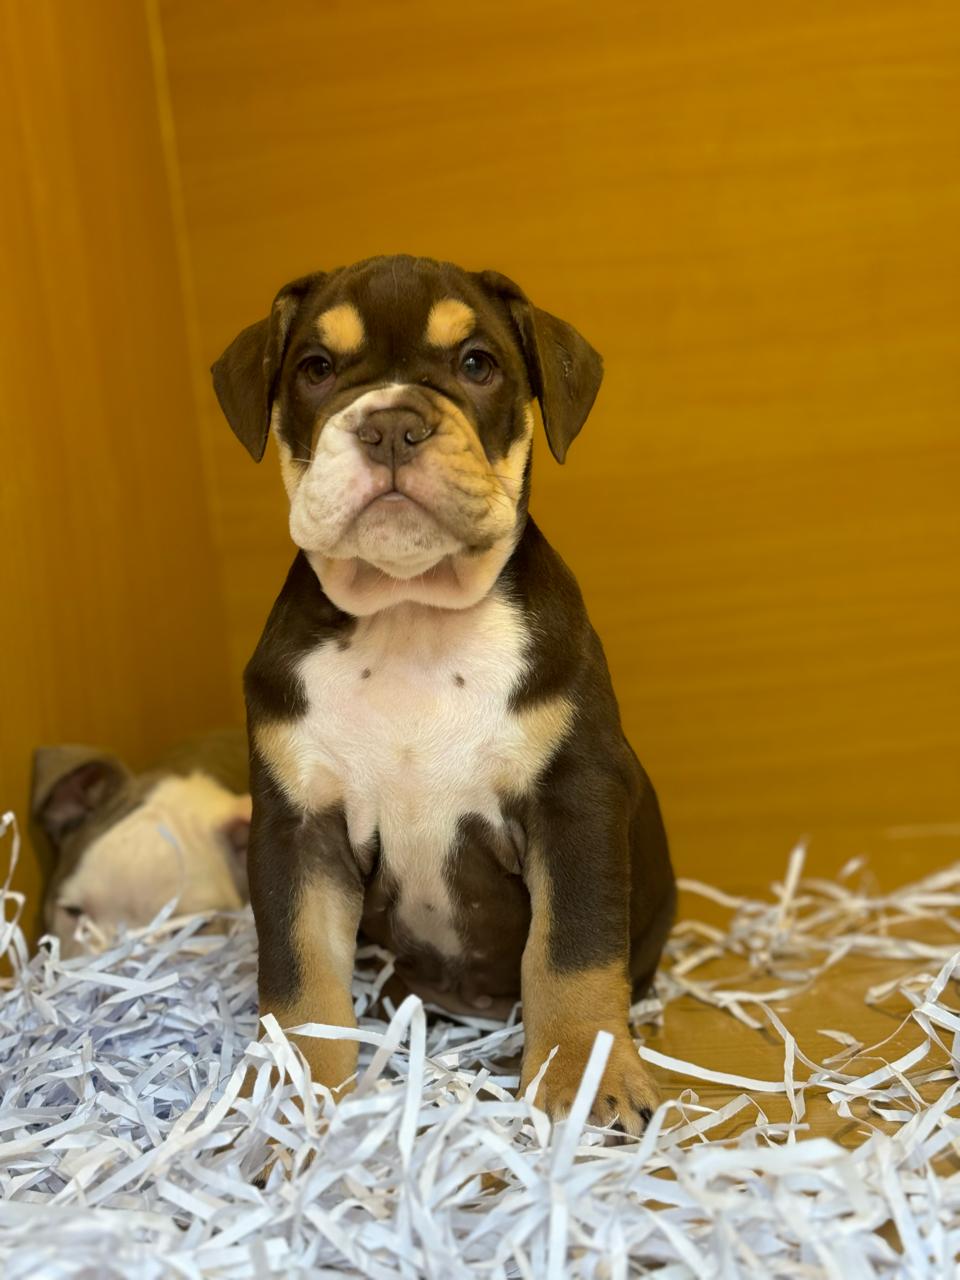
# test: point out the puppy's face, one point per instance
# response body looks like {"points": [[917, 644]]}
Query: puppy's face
{"points": [[402, 414], [399, 391], [126, 844]]}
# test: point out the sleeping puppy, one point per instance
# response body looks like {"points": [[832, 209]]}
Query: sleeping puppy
{"points": [[436, 751], [125, 844]]}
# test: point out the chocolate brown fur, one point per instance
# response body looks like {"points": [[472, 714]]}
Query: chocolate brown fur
{"points": [[565, 890]]}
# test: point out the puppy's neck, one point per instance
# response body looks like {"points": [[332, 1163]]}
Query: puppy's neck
{"points": [[456, 582]]}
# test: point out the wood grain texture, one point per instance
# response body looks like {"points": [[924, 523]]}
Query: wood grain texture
{"points": [[113, 626], [752, 211]]}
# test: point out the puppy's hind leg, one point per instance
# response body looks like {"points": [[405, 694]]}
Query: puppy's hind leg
{"points": [[653, 890]]}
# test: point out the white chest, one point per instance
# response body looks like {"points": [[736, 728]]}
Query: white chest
{"points": [[409, 729]]}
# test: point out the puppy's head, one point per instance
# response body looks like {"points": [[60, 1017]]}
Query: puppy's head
{"points": [[125, 844], [399, 392]]}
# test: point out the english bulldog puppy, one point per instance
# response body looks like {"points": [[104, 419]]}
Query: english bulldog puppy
{"points": [[124, 844], [437, 759]]}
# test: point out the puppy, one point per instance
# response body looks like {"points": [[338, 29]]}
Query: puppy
{"points": [[437, 758], [125, 844]]}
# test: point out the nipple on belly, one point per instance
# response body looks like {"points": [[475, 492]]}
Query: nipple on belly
{"points": [[429, 923]]}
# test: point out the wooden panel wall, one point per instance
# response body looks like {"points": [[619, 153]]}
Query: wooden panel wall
{"points": [[753, 211], [113, 628]]}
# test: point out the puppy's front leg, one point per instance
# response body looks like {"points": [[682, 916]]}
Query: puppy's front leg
{"points": [[307, 898], [576, 963]]}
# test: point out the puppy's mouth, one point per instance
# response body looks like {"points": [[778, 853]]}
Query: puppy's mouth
{"points": [[404, 508], [394, 497], [395, 509], [393, 500]]}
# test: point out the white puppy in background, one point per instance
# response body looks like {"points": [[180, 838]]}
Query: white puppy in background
{"points": [[125, 844]]}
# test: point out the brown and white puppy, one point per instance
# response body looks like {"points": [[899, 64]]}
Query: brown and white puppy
{"points": [[125, 844], [436, 750]]}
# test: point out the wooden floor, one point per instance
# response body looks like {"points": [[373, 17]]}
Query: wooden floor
{"points": [[697, 1033]]}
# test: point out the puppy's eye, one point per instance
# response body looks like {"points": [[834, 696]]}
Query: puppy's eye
{"points": [[477, 365], [316, 369]]}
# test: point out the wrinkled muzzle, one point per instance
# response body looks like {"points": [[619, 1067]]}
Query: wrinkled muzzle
{"points": [[400, 479]]}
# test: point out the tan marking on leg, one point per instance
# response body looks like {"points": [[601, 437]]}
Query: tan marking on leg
{"points": [[341, 329], [285, 747], [568, 1009], [325, 939], [542, 728], [449, 322]]}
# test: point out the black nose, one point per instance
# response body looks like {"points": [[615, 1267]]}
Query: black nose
{"points": [[392, 436]]}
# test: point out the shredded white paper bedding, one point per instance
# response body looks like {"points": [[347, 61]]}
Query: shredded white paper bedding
{"points": [[126, 1150]]}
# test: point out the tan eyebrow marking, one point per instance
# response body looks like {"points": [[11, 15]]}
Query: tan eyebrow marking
{"points": [[341, 328], [449, 322]]}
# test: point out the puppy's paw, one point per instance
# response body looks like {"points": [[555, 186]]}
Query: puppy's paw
{"points": [[627, 1096]]}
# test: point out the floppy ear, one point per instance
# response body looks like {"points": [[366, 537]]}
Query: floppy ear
{"points": [[564, 370], [69, 783], [245, 376]]}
